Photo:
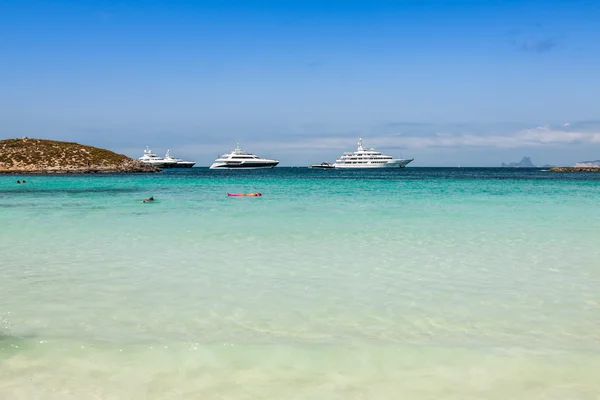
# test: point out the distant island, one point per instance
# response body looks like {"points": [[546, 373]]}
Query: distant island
{"points": [[41, 156], [524, 163]]}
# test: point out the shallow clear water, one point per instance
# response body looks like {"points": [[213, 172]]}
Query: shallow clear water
{"points": [[416, 283]]}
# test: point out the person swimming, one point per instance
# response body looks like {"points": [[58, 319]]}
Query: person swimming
{"points": [[148, 200], [257, 194]]}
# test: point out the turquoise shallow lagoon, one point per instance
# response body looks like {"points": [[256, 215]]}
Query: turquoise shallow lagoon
{"points": [[416, 283]]}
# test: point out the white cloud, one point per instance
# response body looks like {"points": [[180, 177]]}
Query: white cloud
{"points": [[546, 135], [534, 137]]}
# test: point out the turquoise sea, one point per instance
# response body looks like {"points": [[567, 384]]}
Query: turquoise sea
{"points": [[386, 284]]}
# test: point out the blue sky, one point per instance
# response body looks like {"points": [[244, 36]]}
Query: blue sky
{"points": [[446, 82]]}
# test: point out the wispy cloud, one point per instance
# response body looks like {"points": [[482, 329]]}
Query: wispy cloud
{"points": [[525, 138], [533, 39], [531, 45], [547, 135], [538, 45], [534, 137]]}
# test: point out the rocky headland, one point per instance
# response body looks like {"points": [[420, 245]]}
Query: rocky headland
{"points": [[575, 169], [41, 156]]}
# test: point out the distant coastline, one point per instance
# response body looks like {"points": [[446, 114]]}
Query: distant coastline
{"points": [[41, 156]]}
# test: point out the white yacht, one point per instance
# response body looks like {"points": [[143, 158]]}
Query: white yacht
{"points": [[238, 159], [179, 163], [363, 158], [150, 158]]}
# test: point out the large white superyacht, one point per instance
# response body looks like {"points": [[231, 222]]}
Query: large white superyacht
{"points": [[363, 158], [238, 159]]}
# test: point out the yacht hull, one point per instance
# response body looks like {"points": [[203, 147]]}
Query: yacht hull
{"points": [[243, 165], [323, 165], [160, 164], [179, 165]]}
